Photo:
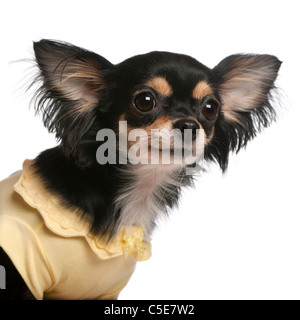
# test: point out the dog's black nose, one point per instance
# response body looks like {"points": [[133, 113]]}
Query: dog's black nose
{"points": [[183, 124]]}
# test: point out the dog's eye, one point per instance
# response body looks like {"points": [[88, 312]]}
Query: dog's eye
{"points": [[210, 109], [144, 102]]}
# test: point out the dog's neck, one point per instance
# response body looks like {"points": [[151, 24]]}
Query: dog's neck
{"points": [[147, 191], [112, 196]]}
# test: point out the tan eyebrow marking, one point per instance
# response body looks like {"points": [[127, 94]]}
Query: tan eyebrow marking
{"points": [[201, 90], [160, 85]]}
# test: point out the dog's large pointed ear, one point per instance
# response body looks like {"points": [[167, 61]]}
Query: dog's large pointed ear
{"points": [[245, 84], [73, 80]]}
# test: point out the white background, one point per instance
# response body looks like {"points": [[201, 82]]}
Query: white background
{"points": [[235, 236]]}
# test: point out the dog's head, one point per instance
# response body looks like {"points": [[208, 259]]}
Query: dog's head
{"points": [[155, 93]]}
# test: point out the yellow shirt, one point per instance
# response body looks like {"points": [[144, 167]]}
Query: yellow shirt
{"points": [[53, 250]]}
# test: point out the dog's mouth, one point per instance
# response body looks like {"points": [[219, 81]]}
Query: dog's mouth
{"points": [[174, 155], [165, 153], [173, 150], [160, 147]]}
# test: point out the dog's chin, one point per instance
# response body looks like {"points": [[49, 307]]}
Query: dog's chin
{"points": [[169, 158]]}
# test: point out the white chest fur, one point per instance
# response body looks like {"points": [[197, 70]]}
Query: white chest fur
{"points": [[142, 199]]}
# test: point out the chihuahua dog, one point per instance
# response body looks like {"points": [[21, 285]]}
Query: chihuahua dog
{"points": [[76, 219]]}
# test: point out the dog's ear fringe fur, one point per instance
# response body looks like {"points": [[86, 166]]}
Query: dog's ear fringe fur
{"points": [[233, 136], [58, 98], [61, 116], [237, 124], [68, 129]]}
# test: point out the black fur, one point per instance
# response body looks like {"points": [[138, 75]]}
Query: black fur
{"points": [[234, 136], [71, 170], [82, 92], [16, 288]]}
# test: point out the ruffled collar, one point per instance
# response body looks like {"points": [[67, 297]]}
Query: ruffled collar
{"points": [[64, 222]]}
